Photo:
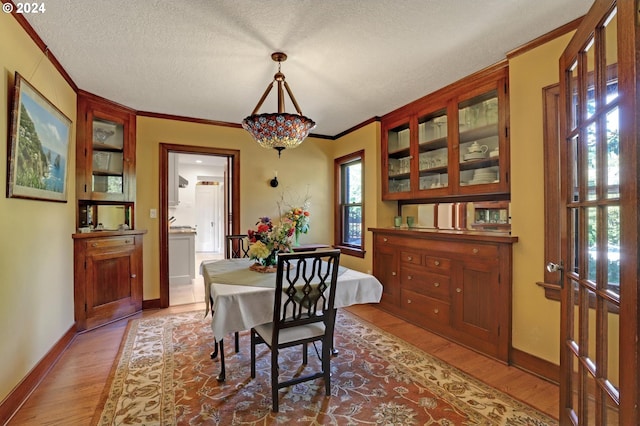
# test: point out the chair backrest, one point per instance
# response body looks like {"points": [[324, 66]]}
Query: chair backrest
{"points": [[236, 246], [306, 289]]}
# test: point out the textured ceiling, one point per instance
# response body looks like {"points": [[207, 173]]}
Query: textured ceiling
{"points": [[349, 60]]}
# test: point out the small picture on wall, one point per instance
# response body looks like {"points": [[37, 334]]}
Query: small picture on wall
{"points": [[39, 146]]}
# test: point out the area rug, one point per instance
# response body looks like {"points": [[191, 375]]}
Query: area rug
{"points": [[164, 376]]}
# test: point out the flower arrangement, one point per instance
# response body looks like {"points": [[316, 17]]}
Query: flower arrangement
{"points": [[269, 239], [299, 217]]}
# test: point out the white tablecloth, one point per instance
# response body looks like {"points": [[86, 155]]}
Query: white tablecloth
{"points": [[245, 298]]}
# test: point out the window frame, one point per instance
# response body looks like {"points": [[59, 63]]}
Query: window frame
{"points": [[339, 164]]}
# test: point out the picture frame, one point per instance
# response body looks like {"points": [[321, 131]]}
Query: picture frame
{"points": [[39, 146]]}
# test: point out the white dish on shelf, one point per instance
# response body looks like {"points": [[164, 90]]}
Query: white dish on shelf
{"points": [[474, 156]]}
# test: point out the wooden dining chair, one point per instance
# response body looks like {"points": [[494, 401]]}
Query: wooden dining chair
{"points": [[303, 313], [236, 246]]}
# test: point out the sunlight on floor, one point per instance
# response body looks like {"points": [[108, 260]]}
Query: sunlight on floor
{"points": [[181, 294]]}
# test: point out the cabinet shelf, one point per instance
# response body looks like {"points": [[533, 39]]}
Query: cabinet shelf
{"points": [[433, 144], [105, 147], [479, 133], [484, 162]]}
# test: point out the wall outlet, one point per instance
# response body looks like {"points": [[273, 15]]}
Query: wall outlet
{"points": [[153, 213]]}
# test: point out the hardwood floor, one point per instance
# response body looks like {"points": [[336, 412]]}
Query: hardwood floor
{"points": [[70, 393]]}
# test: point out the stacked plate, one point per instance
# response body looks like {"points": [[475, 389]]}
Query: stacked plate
{"points": [[486, 175]]}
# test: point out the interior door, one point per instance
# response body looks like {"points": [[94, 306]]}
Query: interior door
{"points": [[599, 214]]}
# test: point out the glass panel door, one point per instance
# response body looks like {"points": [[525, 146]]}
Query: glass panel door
{"points": [[399, 159], [108, 156], [591, 297], [479, 140], [433, 157]]}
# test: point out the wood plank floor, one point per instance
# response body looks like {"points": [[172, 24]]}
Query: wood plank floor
{"points": [[70, 393]]}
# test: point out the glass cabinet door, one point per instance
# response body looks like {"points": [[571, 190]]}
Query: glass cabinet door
{"points": [[399, 159], [479, 154], [433, 148], [108, 156]]}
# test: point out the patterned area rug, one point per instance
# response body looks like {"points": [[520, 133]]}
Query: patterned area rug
{"points": [[164, 376]]}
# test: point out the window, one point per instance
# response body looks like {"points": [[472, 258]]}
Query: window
{"points": [[349, 204]]}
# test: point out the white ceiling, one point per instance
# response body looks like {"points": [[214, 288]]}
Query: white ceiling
{"points": [[349, 60]]}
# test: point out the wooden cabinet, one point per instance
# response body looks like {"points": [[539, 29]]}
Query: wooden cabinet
{"points": [[455, 284], [107, 276], [182, 256], [452, 142], [105, 150]]}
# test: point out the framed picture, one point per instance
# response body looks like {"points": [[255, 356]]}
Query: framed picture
{"points": [[39, 146]]}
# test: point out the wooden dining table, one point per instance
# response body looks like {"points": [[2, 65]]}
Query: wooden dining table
{"points": [[239, 298]]}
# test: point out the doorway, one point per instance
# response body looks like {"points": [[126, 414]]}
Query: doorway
{"points": [[196, 211], [205, 212]]}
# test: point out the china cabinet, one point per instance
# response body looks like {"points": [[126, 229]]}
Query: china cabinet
{"points": [[105, 150], [455, 284], [454, 142], [107, 248]]}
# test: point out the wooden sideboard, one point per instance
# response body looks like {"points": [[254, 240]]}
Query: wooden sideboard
{"points": [[454, 283]]}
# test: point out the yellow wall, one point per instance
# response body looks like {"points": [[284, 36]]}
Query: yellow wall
{"points": [[306, 169], [536, 320], [36, 250]]}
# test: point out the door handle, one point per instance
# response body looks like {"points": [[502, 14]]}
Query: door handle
{"points": [[554, 267]]}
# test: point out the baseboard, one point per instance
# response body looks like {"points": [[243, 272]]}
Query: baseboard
{"points": [[21, 392], [151, 304], [536, 366]]}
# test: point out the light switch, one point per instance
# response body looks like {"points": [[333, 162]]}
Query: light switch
{"points": [[153, 213]]}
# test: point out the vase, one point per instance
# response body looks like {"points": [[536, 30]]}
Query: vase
{"points": [[296, 241], [270, 260]]}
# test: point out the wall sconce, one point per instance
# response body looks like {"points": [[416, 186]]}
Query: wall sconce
{"points": [[274, 181]]}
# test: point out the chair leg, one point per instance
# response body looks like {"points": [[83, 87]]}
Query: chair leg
{"points": [[223, 374], [274, 378], [253, 355], [326, 366], [305, 354], [237, 342]]}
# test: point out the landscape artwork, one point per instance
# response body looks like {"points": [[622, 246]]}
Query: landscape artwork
{"points": [[39, 144]]}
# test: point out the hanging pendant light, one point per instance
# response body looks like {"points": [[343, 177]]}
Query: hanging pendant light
{"points": [[279, 130]]}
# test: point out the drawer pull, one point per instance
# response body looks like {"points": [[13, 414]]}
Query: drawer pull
{"points": [[409, 277], [133, 275], [94, 245], [393, 273], [436, 311], [410, 258], [437, 263], [408, 300], [475, 251], [458, 290], [127, 241], [384, 239], [436, 284]]}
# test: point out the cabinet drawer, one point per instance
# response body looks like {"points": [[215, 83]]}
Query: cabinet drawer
{"points": [[429, 284], [468, 250], [426, 307], [437, 263], [410, 257], [111, 242]]}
